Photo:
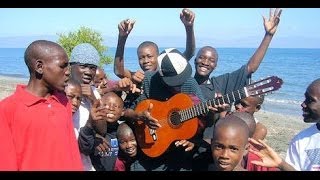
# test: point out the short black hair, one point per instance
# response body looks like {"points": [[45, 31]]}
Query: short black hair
{"points": [[232, 122], [148, 43], [36, 50], [122, 128], [248, 119], [74, 82], [209, 48]]}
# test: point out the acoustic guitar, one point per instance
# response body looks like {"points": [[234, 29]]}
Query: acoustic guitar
{"points": [[178, 115]]}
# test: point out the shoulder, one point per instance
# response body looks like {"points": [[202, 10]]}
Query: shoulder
{"points": [[10, 100], [151, 77], [191, 81], [12, 105], [7, 107], [61, 97], [306, 134], [149, 74], [20, 89], [190, 85], [194, 99]]}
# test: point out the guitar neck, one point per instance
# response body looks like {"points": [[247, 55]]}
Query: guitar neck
{"points": [[203, 107]]}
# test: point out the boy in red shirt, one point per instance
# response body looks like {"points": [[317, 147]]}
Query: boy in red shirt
{"points": [[38, 115]]}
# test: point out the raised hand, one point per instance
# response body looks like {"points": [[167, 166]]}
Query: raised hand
{"points": [[103, 146], [150, 121], [271, 24], [187, 17], [186, 144], [268, 156], [125, 84], [87, 92], [125, 27], [138, 77], [220, 107], [97, 112]]}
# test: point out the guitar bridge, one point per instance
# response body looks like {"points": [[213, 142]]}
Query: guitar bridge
{"points": [[153, 134]]}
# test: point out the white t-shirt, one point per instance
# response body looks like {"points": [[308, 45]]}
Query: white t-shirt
{"points": [[304, 150], [80, 118]]}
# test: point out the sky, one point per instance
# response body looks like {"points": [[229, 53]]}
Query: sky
{"points": [[218, 27]]}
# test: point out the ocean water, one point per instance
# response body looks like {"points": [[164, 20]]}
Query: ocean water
{"points": [[296, 67]]}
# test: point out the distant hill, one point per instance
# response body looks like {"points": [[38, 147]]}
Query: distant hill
{"points": [[23, 41], [169, 41]]}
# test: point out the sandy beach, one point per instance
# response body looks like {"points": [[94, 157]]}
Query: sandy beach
{"points": [[281, 128], [8, 85]]}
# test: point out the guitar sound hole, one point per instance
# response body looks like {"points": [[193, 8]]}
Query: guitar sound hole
{"points": [[175, 118]]}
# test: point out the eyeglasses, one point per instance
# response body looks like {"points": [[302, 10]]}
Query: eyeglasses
{"points": [[91, 66]]}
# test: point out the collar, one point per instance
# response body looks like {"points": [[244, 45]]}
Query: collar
{"points": [[29, 99]]}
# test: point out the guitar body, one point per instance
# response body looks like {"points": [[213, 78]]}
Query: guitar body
{"points": [[178, 115], [170, 131]]}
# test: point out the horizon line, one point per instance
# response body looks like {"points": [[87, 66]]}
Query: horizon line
{"points": [[196, 47]]}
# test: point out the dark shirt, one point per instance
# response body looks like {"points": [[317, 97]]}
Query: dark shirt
{"points": [[153, 88], [224, 84], [175, 158], [88, 143]]}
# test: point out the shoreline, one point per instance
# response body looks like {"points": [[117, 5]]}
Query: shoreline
{"points": [[8, 84], [281, 127]]}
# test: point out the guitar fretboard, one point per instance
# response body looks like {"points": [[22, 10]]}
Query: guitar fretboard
{"points": [[203, 107]]}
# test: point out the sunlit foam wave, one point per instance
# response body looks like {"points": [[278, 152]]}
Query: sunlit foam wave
{"points": [[282, 106], [283, 101]]}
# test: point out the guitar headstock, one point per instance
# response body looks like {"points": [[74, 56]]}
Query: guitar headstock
{"points": [[264, 86]]}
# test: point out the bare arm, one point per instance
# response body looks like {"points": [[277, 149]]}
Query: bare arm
{"points": [[270, 26], [187, 18], [125, 28]]}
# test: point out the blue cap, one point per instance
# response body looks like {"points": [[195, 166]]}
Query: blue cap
{"points": [[85, 53]]}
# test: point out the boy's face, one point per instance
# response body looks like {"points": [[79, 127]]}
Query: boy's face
{"points": [[100, 79], [114, 106], [128, 144], [74, 95], [84, 72], [311, 105], [206, 62], [56, 69], [228, 148], [148, 58], [248, 104]]}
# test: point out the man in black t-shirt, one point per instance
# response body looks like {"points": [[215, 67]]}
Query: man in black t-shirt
{"points": [[206, 61]]}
